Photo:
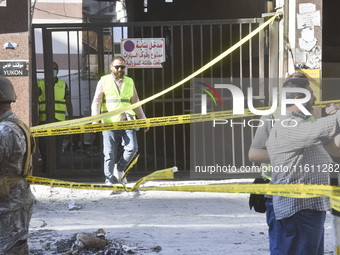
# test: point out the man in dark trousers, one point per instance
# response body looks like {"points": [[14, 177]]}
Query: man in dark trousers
{"points": [[62, 102]]}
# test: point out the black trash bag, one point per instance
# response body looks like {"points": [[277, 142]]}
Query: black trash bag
{"points": [[258, 201]]}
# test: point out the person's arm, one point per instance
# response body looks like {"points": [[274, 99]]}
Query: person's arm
{"points": [[258, 155], [139, 110], [97, 99], [68, 102], [69, 108], [333, 147], [258, 151], [303, 134]]}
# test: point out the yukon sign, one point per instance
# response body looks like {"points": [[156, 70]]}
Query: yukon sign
{"points": [[13, 68]]}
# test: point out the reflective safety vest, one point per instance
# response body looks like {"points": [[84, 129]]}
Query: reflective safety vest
{"points": [[114, 98], [267, 165], [59, 98]]}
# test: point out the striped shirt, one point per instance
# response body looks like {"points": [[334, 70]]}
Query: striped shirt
{"points": [[298, 156]]}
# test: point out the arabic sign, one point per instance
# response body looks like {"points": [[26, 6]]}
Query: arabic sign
{"points": [[143, 52], [13, 68]]}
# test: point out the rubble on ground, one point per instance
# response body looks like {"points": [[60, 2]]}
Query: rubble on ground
{"points": [[88, 243]]}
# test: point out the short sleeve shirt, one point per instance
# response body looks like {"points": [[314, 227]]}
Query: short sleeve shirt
{"points": [[262, 133]]}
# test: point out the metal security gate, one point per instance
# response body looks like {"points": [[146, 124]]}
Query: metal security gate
{"points": [[83, 52]]}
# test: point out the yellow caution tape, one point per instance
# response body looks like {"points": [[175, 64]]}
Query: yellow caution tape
{"points": [[158, 175], [71, 185], [287, 190], [323, 104], [337, 250], [141, 123], [167, 173], [87, 120], [130, 166], [153, 122]]}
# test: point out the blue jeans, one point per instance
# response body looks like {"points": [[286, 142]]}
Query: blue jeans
{"points": [[274, 228], [111, 139], [303, 233]]}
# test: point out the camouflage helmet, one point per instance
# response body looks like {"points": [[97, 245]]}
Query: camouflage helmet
{"points": [[7, 93]]}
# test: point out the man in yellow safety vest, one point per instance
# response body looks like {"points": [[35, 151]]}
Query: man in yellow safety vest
{"points": [[62, 102], [115, 91]]}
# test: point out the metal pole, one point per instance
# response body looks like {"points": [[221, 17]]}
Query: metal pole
{"points": [[336, 218], [49, 97], [285, 36], [273, 39]]}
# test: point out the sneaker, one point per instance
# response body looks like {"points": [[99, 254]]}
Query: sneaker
{"points": [[119, 175], [107, 182]]}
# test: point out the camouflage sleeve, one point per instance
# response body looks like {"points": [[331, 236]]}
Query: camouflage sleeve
{"points": [[12, 148], [7, 141]]}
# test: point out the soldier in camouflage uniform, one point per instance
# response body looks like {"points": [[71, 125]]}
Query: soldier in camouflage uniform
{"points": [[16, 199]]}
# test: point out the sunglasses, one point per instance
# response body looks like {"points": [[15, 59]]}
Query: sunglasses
{"points": [[121, 67]]}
